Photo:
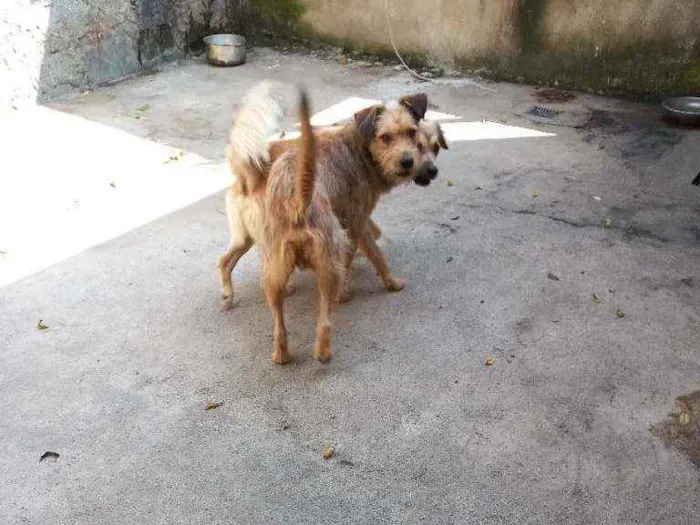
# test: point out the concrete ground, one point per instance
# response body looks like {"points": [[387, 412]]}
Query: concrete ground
{"points": [[111, 225]]}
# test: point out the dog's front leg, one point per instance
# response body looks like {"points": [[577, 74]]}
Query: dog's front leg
{"points": [[344, 294], [374, 254]]}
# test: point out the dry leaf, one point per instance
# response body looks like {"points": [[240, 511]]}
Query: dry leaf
{"points": [[595, 298], [41, 326], [684, 419], [448, 182], [535, 194], [552, 276], [607, 223], [620, 313], [111, 183], [212, 405], [328, 452], [175, 157], [490, 361], [48, 454]]}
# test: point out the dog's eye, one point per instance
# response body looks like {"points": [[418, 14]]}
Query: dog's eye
{"points": [[386, 138], [411, 133]]}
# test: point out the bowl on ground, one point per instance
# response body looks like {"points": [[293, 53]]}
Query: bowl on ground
{"points": [[225, 49]]}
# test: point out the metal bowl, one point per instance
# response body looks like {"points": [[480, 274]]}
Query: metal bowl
{"points": [[683, 110], [225, 49]]}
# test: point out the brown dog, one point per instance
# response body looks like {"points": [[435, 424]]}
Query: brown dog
{"points": [[282, 210], [354, 178], [430, 140], [356, 164]]}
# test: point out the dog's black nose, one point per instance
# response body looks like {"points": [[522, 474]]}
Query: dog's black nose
{"points": [[407, 162], [432, 171]]}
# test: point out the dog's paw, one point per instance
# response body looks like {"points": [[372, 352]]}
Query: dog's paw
{"points": [[281, 356], [226, 302], [344, 296], [395, 284], [290, 289], [324, 356]]}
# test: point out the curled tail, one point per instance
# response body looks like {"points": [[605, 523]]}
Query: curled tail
{"points": [[306, 162], [259, 117]]}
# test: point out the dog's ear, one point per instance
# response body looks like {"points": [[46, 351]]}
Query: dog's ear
{"points": [[366, 122], [441, 137], [417, 104]]}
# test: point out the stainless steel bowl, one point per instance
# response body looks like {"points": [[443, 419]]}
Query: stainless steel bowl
{"points": [[683, 110], [225, 50]]}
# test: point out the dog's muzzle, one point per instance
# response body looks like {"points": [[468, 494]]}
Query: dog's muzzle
{"points": [[406, 161]]}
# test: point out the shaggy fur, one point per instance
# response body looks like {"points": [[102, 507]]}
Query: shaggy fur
{"points": [[275, 198], [282, 211]]}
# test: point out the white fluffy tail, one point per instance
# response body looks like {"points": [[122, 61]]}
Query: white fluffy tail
{"points": [[260, 117]]}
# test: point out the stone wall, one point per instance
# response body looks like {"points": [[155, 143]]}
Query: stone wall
{"points": [[625, 46], [49, 47]]}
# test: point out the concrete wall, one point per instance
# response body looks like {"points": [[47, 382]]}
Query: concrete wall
{"points": [[50, 47], [638, 46]]}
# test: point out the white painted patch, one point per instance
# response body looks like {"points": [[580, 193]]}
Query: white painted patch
{"points": [[467, 131]]}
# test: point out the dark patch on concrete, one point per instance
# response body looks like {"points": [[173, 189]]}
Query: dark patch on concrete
{"points": [[554, 95], [632, 136], [681, 430]]}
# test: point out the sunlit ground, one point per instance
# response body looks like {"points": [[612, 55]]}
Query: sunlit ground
{"points": [[67, 184]]}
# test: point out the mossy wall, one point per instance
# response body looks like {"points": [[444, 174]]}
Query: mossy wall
{"points": [[643, 47]]}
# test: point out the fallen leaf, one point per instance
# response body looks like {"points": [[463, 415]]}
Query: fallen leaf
{"points": [[213, 405], [448, 182], [449, 259], [552, 276], [41, 326], [49, 454], [607, 223], [175, 157], [328, 452], [595, 298], [111, 183], [684, 419], [535, 194], [620, 313], [490, 361]]}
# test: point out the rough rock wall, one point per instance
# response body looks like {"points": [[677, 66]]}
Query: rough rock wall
{"points": [[49, 47]]}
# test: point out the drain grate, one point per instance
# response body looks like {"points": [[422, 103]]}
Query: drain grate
{"points": [[542, 112]]}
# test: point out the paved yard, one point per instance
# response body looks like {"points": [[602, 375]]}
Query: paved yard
{"points": [[570, 256]]}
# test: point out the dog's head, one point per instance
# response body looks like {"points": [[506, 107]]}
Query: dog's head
{"points": [[391, 135], [430, 141]]}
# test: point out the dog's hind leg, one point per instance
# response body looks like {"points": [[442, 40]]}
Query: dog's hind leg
{"points": [[275, 278], [238, 247], [328, 284], [369, 247]]}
